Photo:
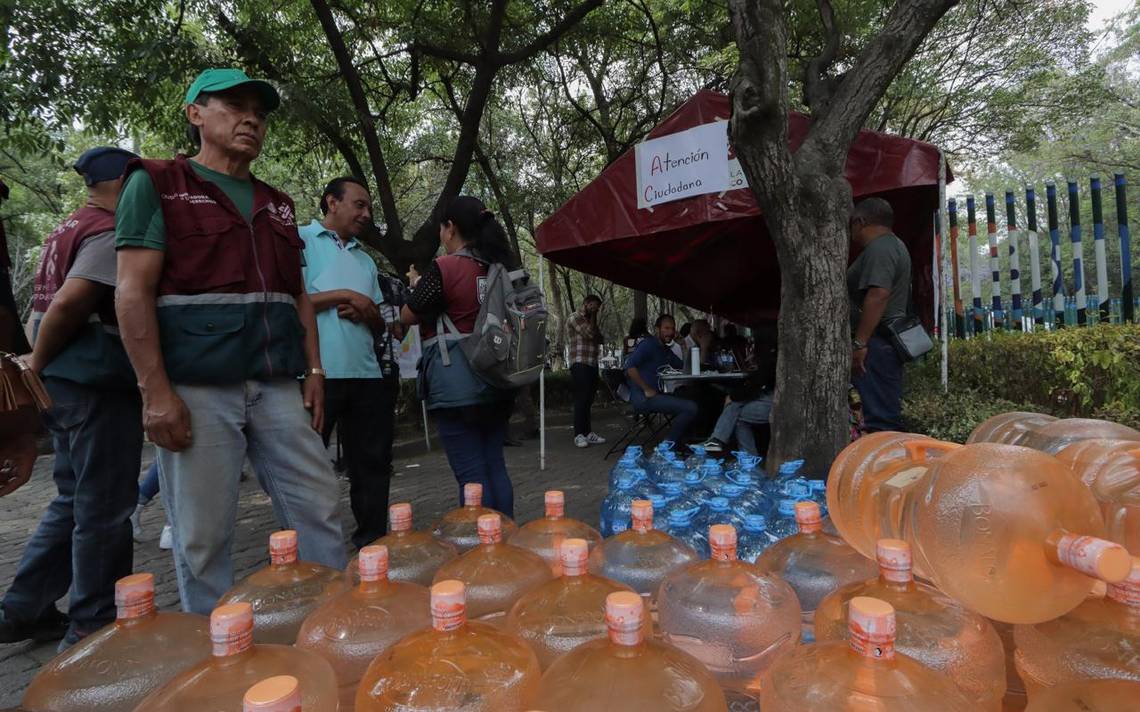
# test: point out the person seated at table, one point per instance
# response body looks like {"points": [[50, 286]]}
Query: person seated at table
{"points": [[642, 367], [700, 336], [747, 405]]}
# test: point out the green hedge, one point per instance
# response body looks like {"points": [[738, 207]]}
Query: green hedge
{"points": [[1087, 372]]}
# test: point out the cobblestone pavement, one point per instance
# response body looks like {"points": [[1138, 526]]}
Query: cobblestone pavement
{"points": [[423, 478]]}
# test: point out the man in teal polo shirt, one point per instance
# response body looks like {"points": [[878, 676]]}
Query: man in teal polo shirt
{"points": [[342, 283], [214, 316]]}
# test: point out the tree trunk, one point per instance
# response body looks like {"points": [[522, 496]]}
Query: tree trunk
{"points": [[641, 306]]}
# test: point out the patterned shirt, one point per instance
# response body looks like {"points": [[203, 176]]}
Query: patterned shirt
{"points": [[585, 339]]}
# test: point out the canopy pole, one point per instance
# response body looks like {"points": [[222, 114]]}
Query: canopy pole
{"points": [[942, 237], [542, 383], [427, 438]]}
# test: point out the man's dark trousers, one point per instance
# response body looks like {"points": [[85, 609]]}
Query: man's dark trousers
{"points": [[585, 379], [362, 410], [881, 387], [83, 541]]}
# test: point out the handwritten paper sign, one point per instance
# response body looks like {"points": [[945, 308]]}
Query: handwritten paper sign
{"points": [[683, 164]]}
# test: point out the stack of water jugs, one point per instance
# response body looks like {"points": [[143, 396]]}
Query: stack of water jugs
{"points": [[980, 577]]}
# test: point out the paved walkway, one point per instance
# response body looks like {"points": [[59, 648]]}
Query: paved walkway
{"points": [[423, 478]]}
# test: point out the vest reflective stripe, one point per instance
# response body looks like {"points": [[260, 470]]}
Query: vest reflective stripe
{"points": [[174, 300]]}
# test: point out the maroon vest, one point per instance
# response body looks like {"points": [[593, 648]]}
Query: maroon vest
{"points": [[60, 249], [209, 245], [464, 285]]}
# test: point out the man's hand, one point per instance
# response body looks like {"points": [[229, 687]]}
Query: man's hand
{"points": [[313, 393], [859, 361], [650, 393], [347, 311], [167, 420], [396, 330]]}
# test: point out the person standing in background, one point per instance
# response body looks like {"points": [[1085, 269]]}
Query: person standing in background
{"points": [[585, 340]]}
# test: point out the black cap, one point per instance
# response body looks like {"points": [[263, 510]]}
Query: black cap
{"points": [[102, 163]]}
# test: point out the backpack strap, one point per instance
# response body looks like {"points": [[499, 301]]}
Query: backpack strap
{"points": [[445, 330]]}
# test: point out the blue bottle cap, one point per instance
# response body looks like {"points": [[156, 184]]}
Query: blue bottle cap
{"points": [[755, 522], [732, 491], [818, 485], [625, 482], [719, 504], [797, 490], [658, 500], [791, 467], [787, 507], [671, 489], [693, 477], [680, 518]]}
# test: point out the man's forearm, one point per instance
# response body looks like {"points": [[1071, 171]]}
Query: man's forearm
{"points": [[635, 376], [138, 326], [308, 317], [72, 306], [328, 300], [873, 307]]}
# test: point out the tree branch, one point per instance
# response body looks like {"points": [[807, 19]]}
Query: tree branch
{"points": [[552, 35], [818, 88]]}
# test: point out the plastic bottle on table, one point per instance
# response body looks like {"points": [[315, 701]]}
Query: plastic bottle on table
{"points": [[281, 693], [626, 671], [1098, 639], [284, 593], [730, 615], [860, 674], [642, 556], [456, 664], [544, 536], [460, 526], [494, 574], [412, 556], [221, 682], [1007, 531], [351, 629], [1111, 470], [560, 615], [754, 538], [116, 667], [814, 563], [930, 627], [1088, 696]]}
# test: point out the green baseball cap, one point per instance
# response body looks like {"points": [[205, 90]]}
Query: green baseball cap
{"points": [[213, 80]]}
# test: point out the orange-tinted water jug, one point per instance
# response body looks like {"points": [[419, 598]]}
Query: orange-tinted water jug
{"points": [[1046, 433], [931, 627], [116, 667], [285, 592], [1111, 469], [729, 614], [626, 671], [412, 556], [494, 573], [275, 694], [1006, 530], [459, 527], [221, 682], [814, 563], [1015, 697], [1089, 696], [456, 664], [1098, 639], [1008, 428], [641, 556], [543, 536], [864, 673], [352, 628]]}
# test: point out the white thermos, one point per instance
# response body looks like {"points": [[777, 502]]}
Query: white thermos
{"points": [[695, 360]]}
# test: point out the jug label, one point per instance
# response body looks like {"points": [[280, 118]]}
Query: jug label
{"points": [[907, 477]]}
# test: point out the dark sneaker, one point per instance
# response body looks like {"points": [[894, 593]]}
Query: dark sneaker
{"points": [[51, 626]]}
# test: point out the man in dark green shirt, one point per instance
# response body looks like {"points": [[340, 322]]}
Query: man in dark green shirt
{"points": [[878, 287]]}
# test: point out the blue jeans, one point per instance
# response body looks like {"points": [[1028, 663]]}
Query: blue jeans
{"points": [[683, 410], [474, 448], [881, 387], [266, 421], [149, 487], [83, 541], [738, 418]]}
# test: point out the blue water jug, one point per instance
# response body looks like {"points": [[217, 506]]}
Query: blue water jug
{"points": [[680, 526], [753, 538], [785, 524], [616, 505]]}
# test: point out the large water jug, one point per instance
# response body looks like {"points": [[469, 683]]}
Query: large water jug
{"points": [[1088, 696], [412, 556], [861, 674], [281, 693], [456, 664], [730, 615], [1098, 639], [814, 563], [351, 629], [285, 592], [1008, 428], [784, 525], [1015, 698], [1111, 469], [697, 459], [220, 683], [116, 667], [627, 671], [681, 526], [495, 574], [642, 556], [1046, 433], [544, 536], [930, 627], [615, 506], [754, 538], [560, 615], [1006, 530], [459, 527], [662, 454], [627, 462], [718, 511]]}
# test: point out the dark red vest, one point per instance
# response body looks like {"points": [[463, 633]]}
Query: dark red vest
{"points": [[60, 249], [464, 288]]}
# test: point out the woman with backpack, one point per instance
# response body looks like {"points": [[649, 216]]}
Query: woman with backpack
{"points": [[471, 415]]}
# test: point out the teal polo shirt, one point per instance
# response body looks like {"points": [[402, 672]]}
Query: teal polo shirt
{"points": [[346, 348]]}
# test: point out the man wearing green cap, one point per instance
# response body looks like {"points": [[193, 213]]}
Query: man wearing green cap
{"points": [[218, 327]]}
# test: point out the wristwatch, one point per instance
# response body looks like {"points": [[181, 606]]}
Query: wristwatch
{"points": [[315, 372], [857, 345]]}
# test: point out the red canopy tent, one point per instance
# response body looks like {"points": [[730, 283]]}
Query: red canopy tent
{"points": [[712, 252]]}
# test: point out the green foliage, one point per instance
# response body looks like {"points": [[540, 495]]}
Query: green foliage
{"points": [[952, 416]]}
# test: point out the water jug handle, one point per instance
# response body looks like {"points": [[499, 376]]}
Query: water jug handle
{"points": [[1134, 452], [919, 449]]}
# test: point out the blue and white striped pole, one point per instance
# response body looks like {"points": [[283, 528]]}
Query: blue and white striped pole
{"points": [[1127, 303], [1012, 236], [975, 271], [1078, 253], [995, 261], [1034, 254], [1102, 302], [1055, 256]]}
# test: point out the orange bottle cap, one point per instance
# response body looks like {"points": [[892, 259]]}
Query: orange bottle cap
{"points": [[625, 613], [572, 554], [274, 694], [448, 605], [472, 494], [1095, 557], [1128, 590], [555, 503], [808, 517], [641, 515], [283, 547], [373, 563], [895, 561], [231, 628], [134, 596], [871, 627], [490, 527], [400, 517], [722, 542]]}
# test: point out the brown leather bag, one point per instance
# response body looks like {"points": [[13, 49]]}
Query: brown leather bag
{"points": [[22, 399]]}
